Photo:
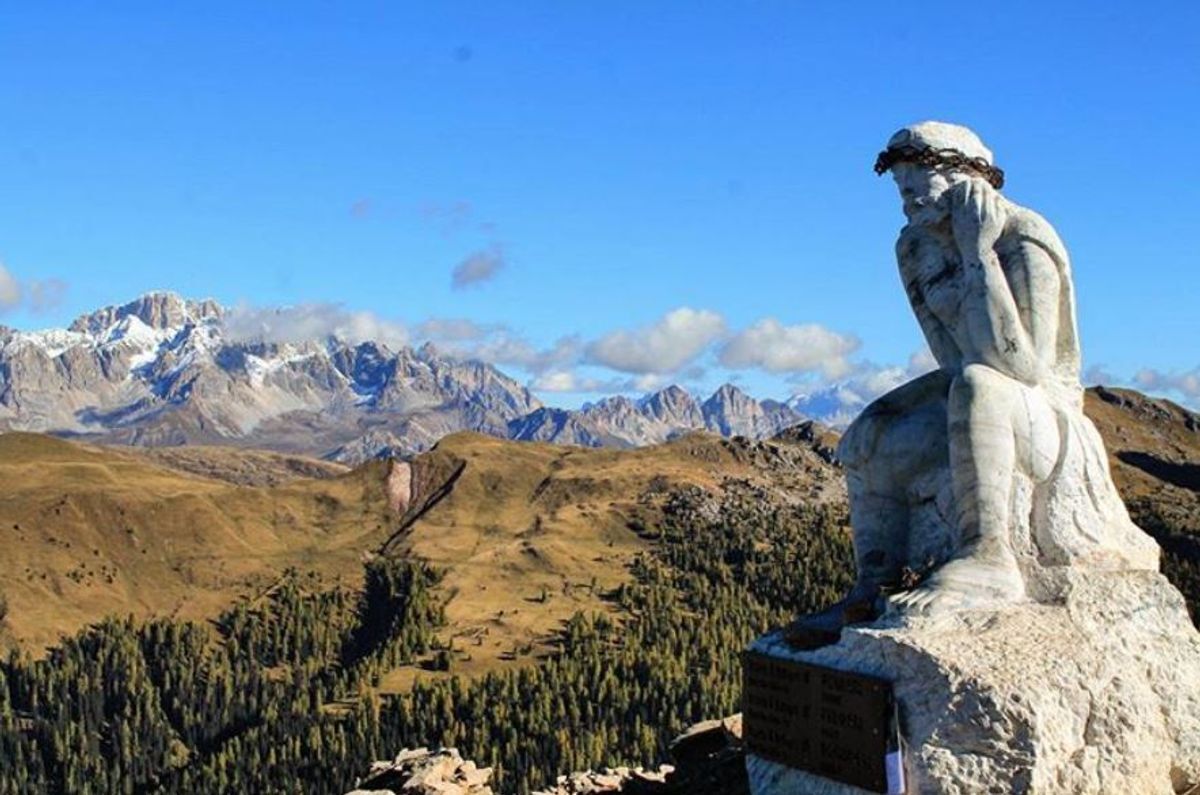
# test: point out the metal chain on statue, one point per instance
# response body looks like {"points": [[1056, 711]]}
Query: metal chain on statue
{"points": [[939, 158]]}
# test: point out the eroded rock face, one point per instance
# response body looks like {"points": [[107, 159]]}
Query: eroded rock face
{"points": [[1096, 694]]}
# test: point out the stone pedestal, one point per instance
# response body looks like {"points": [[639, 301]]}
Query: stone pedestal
{"points": [[1097, 691]]}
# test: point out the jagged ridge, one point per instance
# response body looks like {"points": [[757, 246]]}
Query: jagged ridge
{"points": [[164, 370]]}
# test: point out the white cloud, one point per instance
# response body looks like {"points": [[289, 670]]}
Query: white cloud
{"points": [[311, 322], [662, 347], [497, 344], [649, 382], [452, 329], [479, 267], [507, 348], [838, 401], [34, 295], [572, 381], [1186, 383], [777, 348], [1184, 386], [1099, 374], [922, 362], [10, 290]]}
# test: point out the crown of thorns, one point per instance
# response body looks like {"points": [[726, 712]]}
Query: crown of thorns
{"points": [[934, 158]]}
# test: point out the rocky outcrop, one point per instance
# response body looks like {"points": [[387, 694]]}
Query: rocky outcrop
{"points": [[1094, 693], [421, 771], [610, 779], [708, 760]]}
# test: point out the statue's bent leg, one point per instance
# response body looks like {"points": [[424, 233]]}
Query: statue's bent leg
{"points": [[983, 458], [891, 443], [880, 522], [991, 422]]}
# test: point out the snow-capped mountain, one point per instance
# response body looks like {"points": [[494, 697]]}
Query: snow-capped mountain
{"points": [[162, 370], [835, 405]]}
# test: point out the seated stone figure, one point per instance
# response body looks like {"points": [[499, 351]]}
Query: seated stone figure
{"points": [[971, 484]]}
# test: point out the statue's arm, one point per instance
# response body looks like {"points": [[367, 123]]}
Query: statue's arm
{"points": [[994, 331], [941, 342], [1036, 287]]}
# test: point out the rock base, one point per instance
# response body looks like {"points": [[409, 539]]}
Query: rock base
{"points": [[1097, 692]]}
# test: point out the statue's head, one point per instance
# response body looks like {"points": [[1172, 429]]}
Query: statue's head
{"points": [[927, 158]]}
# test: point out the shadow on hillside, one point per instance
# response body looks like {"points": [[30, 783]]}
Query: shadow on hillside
{"points": [[1185, 476]]}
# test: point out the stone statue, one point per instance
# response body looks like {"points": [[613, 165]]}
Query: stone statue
{"points": [[977, 477], [1029, 640]]}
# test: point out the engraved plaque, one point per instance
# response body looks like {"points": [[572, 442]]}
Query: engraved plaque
{"points": [[832, 723]]}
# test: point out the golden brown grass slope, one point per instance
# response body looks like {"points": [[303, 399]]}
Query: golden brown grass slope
{"points": [[1153, 444], [240, 466], [90, 531], [529, 533]]}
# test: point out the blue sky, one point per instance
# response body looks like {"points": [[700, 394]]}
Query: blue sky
{"points": [[590, 169]]}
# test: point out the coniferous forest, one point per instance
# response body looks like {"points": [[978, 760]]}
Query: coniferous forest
{"points": [[277, 695]]}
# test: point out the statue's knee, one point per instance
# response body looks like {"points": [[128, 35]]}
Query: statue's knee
{"points": [[976, 382], [975, 377], [858, 442]]}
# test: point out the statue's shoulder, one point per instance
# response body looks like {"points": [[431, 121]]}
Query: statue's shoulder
{"points": [[1026, 225]]}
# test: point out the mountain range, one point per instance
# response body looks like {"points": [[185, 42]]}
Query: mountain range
{"points": [[163, 370]]}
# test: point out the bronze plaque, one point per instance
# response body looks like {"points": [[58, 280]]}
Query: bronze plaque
{"points": [[832, 723]]}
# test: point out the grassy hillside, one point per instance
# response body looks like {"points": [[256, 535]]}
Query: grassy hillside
{"points": [[94, 531], [527, 533], [1154, 448], [531, 533]]}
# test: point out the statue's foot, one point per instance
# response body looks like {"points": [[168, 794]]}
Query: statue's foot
{"points": [[979, 577], [825, 628]]}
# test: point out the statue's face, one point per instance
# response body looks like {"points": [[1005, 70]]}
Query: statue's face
{"points": [[921, 187]]}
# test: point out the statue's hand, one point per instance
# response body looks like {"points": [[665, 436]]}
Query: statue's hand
{"points": [[977, 215]]}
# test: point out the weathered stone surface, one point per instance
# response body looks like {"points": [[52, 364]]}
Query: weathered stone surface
{"points": [[631, 781], [419, 771], [1096, 694], [704, 740]]}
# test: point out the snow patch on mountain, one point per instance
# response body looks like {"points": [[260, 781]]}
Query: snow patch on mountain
{"points": [[162, 370]]}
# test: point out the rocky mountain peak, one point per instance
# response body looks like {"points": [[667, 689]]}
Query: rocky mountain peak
{"points": [[729, 395], [612, 405], [672, 404], [731, 412], [158, 310], [428, 352]]}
